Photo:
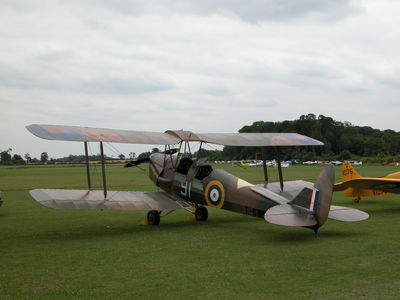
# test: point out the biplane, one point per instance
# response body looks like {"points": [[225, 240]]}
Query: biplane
{"points": [[355, 185], [193, 184]]}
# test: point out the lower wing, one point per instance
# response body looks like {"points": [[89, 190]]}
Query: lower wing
{"points": [[382, 184], [119, 200]]}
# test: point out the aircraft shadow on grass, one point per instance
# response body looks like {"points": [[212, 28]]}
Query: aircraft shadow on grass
{"points": [[96, 230], [300, 237]]}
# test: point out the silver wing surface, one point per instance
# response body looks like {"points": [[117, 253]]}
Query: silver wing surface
{"points": [[346, 214], [291, 188], [83, 199], [259, 139], [89, 134], [170, 137]]}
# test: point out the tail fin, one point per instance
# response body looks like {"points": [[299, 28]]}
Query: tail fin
{"points": [[324, 185], [348, 172]]}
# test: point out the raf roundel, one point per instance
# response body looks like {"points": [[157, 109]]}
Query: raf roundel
{"points": [[215, 194]]}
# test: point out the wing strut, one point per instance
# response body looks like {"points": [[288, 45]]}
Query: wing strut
{"points": [[278, 162], [87, 165], [264, 157], [280, 173], [103, 170]]}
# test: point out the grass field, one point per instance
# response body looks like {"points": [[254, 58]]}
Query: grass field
{"points": [[61, 254]]}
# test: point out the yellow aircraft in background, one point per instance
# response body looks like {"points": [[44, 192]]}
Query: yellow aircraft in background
{"points": [[355, 185]]}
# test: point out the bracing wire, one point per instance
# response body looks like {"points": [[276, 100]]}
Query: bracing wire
{"points": [[113, 149]]}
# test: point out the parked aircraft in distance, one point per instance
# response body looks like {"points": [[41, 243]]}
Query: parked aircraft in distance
{"points": [[355, 185]]}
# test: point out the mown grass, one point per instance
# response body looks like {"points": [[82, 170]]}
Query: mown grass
{"points": [[61, 254]]}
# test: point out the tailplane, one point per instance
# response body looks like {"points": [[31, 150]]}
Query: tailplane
{"points": [[312, 206]]}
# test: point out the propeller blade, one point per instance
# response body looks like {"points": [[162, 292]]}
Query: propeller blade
{"points": [[134, 163], [171, 151]]}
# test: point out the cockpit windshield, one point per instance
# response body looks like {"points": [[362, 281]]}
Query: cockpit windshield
{"points": [[184, 165], [203, 172]]}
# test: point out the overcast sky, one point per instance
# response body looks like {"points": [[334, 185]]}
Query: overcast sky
{"points": [[205, 66]]}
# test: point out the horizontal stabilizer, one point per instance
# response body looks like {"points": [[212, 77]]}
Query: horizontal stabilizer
{"points": [[346, 214], [83, 199], [290, 215]]}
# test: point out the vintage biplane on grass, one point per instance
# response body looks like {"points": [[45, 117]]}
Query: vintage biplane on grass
{"points": [[192, 184], [355, 185]]}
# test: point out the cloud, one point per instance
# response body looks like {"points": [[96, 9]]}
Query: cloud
{"points": [[200, 65], [249, 11]]}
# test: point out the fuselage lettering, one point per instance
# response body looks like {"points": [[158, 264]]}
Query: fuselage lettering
{"points": [[186, 187]]}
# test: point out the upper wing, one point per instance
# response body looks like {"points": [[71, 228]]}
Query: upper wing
{"points": [[259, 139], [83, 199], [170, 137], [390, 185], [88, 134]]}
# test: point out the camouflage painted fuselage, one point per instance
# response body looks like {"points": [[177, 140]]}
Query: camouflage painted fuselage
{"points": [[198, 183]]}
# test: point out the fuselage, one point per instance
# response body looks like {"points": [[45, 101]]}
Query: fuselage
{"points": [[198, 183]]}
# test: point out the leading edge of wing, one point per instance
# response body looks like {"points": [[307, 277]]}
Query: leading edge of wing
{"points": [[90, 134], [118, 200]]}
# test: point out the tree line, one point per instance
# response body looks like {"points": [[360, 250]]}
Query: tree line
{"points": [[342, 141]]}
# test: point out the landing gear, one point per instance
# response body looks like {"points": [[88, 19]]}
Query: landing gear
{"points": [[201, 213], [357, 200], [153, 217]]}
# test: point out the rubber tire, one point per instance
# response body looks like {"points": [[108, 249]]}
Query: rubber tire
{"points": [[153, 217], [201, 213]]}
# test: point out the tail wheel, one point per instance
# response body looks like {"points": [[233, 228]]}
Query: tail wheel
{"points": [[201, 213], [153, 217]]}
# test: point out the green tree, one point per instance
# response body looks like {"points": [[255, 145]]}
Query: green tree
{"points": [[344, 155], [144, 155], [5, 156], [44, 157], [28, 157], [17, 160]]}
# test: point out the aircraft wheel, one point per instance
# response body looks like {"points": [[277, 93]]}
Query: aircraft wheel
{"points": [[153, 217], [357, 200], [201, 213]]}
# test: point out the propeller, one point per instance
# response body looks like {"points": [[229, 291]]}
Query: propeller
{"points": [[171, 151], [135, 163]]}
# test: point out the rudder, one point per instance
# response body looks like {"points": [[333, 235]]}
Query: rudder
{"points": [[348, 172], [324, 185]]}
